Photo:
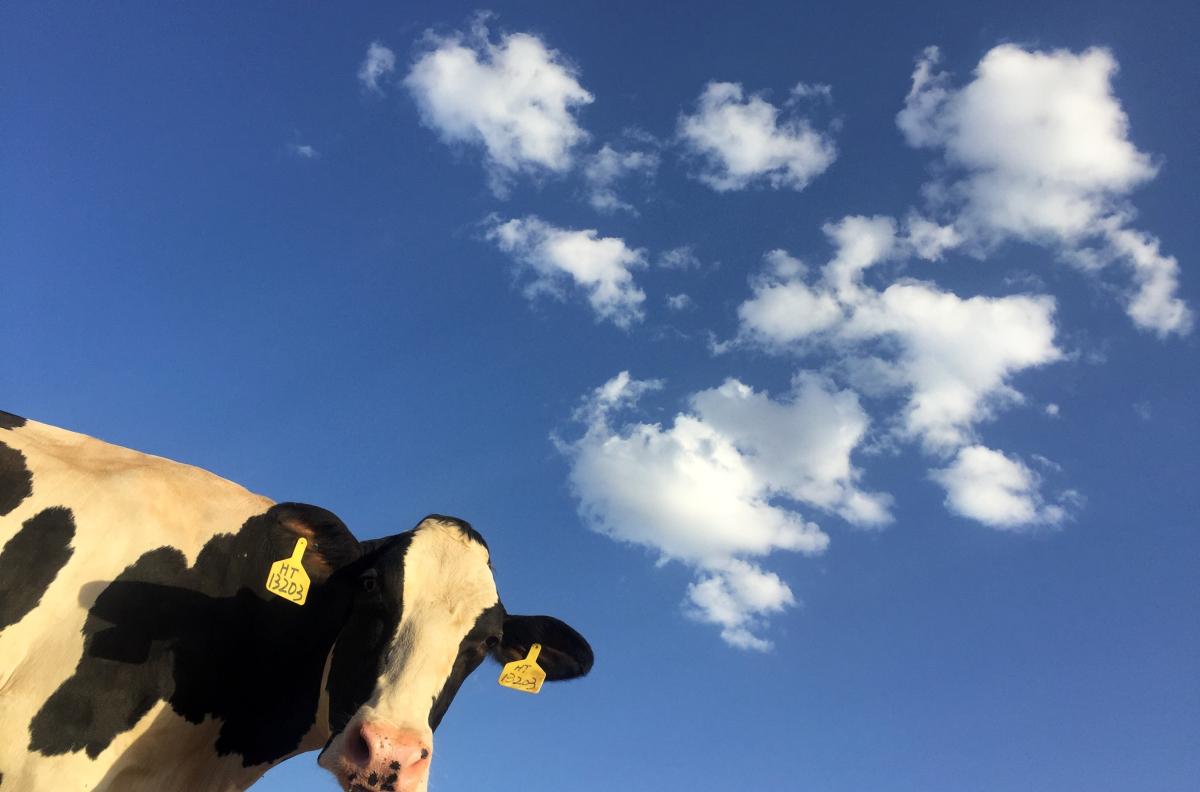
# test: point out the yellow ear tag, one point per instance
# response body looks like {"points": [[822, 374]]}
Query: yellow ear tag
{"points": [[525, 674], [287, 577]]}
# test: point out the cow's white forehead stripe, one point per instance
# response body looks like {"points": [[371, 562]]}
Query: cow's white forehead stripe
{"points": [[448, 584]]}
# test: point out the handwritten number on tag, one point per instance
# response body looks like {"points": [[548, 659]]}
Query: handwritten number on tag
{"points": [[524, 675], [287, 577]]}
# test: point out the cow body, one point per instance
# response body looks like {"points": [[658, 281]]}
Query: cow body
{"points": [[139, 648]]}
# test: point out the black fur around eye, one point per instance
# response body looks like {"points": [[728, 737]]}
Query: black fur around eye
{"points": [[491, 641], [369, 582]]}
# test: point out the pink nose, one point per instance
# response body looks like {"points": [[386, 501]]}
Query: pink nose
{"points": [[387, 758]]}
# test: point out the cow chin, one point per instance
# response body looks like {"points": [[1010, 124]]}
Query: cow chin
{"points": [[378, 756]]}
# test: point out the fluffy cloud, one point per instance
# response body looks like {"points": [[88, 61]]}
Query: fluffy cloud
{"points": [[954, 356], [514, 97], [607, 167], [742, 140], [560, 257], [721, 484], [997, 490], [379, 63], [1040, 150], [736, 597]]}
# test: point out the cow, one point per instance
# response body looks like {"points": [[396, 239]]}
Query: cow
{"points": [[141, 645]]}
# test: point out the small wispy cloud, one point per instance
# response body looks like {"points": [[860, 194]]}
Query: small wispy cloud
{"points": [[303, 151], [603, 170], [378, 64], [560, 258], [679, 302], [680, 258]]}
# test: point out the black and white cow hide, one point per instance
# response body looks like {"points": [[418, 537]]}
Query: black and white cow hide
{"points": [[139, 648]]}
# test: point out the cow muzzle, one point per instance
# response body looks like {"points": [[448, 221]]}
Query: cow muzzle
{"points": [[376, 756]]}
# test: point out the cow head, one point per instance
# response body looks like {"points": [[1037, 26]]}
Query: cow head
{"points": [[422, 614]]}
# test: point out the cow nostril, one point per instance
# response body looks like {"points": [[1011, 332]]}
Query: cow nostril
{"points": [[424, 753], [358, 750]]}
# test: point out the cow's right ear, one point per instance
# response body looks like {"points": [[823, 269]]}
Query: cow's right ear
{"points": [[330, 543]]}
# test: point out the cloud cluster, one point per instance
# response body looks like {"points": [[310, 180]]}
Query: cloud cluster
{"points": [[722, 484], [1039, 150], [1034, 147], [953, 355], [515, 97], [741, 141], [557, 258], [518, 100]]}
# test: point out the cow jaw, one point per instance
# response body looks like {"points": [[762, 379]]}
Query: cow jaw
{"points": [[448, 585]]}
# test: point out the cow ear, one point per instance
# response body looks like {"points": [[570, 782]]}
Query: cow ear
{"points": [[330, 543], [565, 654]]}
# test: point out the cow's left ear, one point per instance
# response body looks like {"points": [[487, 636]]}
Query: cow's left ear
{"points": [[565, 654], [330, 543]]}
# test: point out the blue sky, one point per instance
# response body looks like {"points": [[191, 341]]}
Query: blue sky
{"points": [[840, 390]]}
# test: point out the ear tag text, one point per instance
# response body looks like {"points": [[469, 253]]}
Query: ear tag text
{"points": [[525, 675], [287, 577]]}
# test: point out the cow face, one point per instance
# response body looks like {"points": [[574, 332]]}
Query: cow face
{"points": [[425, 615]]}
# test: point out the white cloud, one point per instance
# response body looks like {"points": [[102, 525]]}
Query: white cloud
{"points": [[680, 258], [957, 354], [607, 167], [560, 257], [1144, 410], [954, 356], [718, 485], [928, 240], [736, 598], [788, 311], [742, 140], [1155, 304], [379, 63], [1041, 152], [303, 150], [813, 91], [985, 485], [799, 448], [679, 302], [515, 97]]}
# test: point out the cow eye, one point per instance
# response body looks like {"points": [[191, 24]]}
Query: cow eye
{"points": [[370, 581], [491, 641]]}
